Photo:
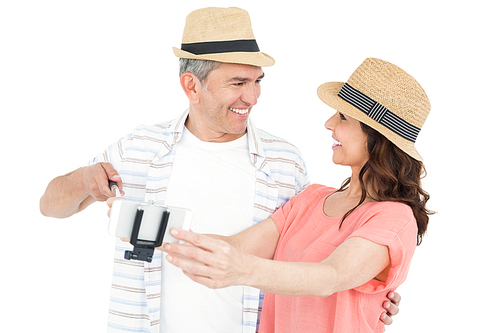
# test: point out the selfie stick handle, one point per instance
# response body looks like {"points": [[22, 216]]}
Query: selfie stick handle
{"points": [[113, 186]]}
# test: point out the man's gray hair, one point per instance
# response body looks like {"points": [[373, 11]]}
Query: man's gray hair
{"points": [[199, 68]]}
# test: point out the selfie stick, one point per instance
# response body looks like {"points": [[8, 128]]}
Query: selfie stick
{"points": [[143, 249], [113, 186]]}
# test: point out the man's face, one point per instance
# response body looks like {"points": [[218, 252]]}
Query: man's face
{"points": [[225, 101]]}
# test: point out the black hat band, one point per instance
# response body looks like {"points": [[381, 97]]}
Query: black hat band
{"points": [[379, 113], [243, 45]]}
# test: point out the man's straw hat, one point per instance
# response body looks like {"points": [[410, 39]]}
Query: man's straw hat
{"points": [[384, 97], [221, 34]]}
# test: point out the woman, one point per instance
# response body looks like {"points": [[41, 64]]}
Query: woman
{"points": [[341, 250]]}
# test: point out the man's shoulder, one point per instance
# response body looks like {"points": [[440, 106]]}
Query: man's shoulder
{"points": [[284, 162], [272, 142], [162, 129], [282, 156], [150, 138], [156, 132]]}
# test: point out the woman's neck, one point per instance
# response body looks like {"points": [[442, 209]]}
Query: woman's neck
{"points": [[354, 191]]}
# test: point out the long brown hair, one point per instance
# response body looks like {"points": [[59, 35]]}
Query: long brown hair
{"points": [[393, 176]]}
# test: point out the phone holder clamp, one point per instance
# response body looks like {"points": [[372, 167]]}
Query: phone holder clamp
{"points": [[144, 249]]}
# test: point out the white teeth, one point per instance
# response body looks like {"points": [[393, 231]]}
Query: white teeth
{"points": [[239, 111], [336, 143]]}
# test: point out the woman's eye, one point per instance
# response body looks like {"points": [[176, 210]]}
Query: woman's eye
{"points": [[342, 116]]}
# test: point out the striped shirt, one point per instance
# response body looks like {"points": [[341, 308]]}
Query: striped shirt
{"points": [[144, 161]]}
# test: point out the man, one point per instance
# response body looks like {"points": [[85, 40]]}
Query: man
{"points": [[227, 172]]}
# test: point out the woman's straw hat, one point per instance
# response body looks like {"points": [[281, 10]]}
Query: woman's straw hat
{"points": [[221, 34], [384, 97]]}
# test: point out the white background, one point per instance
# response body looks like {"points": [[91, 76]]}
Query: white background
{"points": [[75, 76]]}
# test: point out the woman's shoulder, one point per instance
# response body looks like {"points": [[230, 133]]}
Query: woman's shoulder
{"points": [[313, 193], [392, 213], [318, 190], [391, 206]]}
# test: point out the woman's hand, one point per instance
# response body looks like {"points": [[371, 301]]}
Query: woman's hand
{"points": [[211, 262], [110, 201]]}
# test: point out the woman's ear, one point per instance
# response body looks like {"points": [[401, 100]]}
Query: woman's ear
{"points": [[191, 85]]}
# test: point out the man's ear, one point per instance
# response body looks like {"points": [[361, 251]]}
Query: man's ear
{"points": [[191, 86]]}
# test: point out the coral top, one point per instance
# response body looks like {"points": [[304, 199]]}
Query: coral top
{"points": [[308, 235]]}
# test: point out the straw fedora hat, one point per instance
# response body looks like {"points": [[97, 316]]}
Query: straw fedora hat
{"points": [[384, 97], [221, 34]]}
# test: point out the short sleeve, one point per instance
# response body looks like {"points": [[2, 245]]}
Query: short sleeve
{"points": [[393, 225], [280, 216], [112, 154], [298, 205]]}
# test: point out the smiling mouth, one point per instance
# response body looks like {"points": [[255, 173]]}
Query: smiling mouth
{"points": [[336, 143], [239, 111]]}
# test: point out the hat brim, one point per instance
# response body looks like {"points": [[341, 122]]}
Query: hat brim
{"points": [[258, 59], [328, 93]]}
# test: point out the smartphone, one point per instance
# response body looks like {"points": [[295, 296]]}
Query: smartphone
{"points": [[123, 214]]}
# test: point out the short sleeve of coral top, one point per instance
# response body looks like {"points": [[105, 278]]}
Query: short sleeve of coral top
{"points": [[308, 235]]}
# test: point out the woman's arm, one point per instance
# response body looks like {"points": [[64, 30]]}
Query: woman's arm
{"points": [[218, 264], [352, 264], [259, 240]]}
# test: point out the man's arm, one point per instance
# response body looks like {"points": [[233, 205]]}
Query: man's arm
{"points": [[69, 194]]}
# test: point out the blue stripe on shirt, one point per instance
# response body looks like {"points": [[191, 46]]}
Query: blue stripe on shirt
{"points": [[129, 303], [128, 329]]}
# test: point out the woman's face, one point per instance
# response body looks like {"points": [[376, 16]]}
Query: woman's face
{"points": [[349, 145]]}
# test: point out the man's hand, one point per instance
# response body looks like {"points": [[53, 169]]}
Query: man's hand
{"points": [[73, 192], [95, 180], [392, 307]]}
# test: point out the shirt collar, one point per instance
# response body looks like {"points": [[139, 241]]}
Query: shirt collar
{"points": [[254, 143], [176, 128]]}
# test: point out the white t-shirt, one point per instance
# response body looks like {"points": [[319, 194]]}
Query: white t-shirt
{"points": [[216, 181]]}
